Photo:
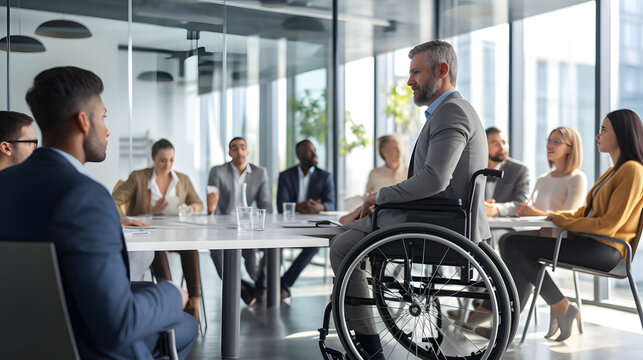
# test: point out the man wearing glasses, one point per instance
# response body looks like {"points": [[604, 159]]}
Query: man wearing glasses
{"points": [[17, 138]]}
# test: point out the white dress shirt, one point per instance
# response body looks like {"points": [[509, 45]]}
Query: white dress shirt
{"points": [[304, 181], [72, 160], [240, 179], [156, 195]]}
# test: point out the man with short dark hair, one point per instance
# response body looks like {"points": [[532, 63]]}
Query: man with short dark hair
{"points": [[305, 184], [313, 190], [17, 138], [502, 196], [230, 178], [111, 317]]}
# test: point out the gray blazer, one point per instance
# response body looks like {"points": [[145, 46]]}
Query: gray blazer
{"points": [[258, 189], [450, 148], [513, 188]]}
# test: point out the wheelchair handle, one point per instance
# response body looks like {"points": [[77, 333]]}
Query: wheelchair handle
{"points": [[493, 173], [472, 190]]}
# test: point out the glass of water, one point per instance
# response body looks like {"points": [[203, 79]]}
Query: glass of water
{"points": [[258, 219], [243, 218], [289, 211]]}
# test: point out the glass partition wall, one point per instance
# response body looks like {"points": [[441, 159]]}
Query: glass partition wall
{"points": [[201, 72], [196, 73]]}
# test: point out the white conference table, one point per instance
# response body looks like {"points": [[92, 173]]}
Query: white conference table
{"points": [[200, 232], [520, 222]]}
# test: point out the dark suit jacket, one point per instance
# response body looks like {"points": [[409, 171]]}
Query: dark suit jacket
{"points": [[47, 199], [321, 186], [513, 188]]}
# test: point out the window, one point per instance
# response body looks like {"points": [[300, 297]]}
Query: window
{"points": [[558, 87], [627, 92], [483, 72]]}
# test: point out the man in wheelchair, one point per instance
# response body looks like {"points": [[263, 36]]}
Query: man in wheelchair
{"points": [[450, 148]]}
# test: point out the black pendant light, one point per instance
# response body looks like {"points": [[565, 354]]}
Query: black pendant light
{"points": [[64, 29], [21, 43], [159, 76]]}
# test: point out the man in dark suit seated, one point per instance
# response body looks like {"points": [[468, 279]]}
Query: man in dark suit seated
{"points": [[502, 196], [314, 191], [52, 199]]}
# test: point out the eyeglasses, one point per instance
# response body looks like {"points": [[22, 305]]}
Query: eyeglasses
{"points": [[34, 141], [556, 142]]}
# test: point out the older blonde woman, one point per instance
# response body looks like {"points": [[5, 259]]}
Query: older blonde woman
{"points": [[393, 170], [564, 187]]}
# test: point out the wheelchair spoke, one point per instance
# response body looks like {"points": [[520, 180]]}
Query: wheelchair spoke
{"points": [[393, 275], [430, 282], [399, 335], [460, 330], [445, 337]]}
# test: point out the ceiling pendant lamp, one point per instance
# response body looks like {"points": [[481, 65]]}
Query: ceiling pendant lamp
{"points": [[64, 29], [159, 76], [21, 43]]}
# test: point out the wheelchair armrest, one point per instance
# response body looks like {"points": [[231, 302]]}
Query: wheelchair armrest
{"points": [[426, 204]]}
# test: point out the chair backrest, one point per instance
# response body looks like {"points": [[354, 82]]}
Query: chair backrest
{"points": [[123, 207], [639, 232], [34, 323]]}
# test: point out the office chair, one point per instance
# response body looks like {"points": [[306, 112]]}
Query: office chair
{"points": [[30, 280], [621, 271]]}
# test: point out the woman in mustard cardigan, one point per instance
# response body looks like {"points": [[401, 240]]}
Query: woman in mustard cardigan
{"points": [[613, 208], [147, 192]]}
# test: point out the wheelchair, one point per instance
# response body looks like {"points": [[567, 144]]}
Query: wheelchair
{"points": [[416, 272]]}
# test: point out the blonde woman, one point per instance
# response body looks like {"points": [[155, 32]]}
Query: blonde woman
{"points": [[564, 187]]}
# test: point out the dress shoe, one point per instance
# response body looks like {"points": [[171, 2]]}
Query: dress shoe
{"points": [[455, 313], [260, 295], [566, 321], [553, 325], [285, 292], [475, 318], [483, 331], [248, 293]]}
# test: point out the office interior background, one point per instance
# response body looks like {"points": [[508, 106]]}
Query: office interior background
{"points": [[199, 72]]}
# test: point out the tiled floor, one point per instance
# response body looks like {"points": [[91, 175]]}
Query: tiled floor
{"points": [[291, 331]]}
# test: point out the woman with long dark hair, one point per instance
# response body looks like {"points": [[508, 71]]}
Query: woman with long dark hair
{"points": [[613, 208]]}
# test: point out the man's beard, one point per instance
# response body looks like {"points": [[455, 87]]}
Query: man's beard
{"points": [[94, 150], [498, 158], [426, 93]]}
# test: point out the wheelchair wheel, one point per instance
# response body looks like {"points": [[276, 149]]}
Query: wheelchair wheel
{"points": [[406, 306]]}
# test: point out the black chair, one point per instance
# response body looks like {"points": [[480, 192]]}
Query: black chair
{"points": [[621, 271], [35, 322]]}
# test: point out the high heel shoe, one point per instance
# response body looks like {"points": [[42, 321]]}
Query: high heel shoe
{"points": [[565, 322], [553, 325]]}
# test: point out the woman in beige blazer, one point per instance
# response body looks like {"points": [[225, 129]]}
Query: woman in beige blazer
{"points": [[147, 192]]}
